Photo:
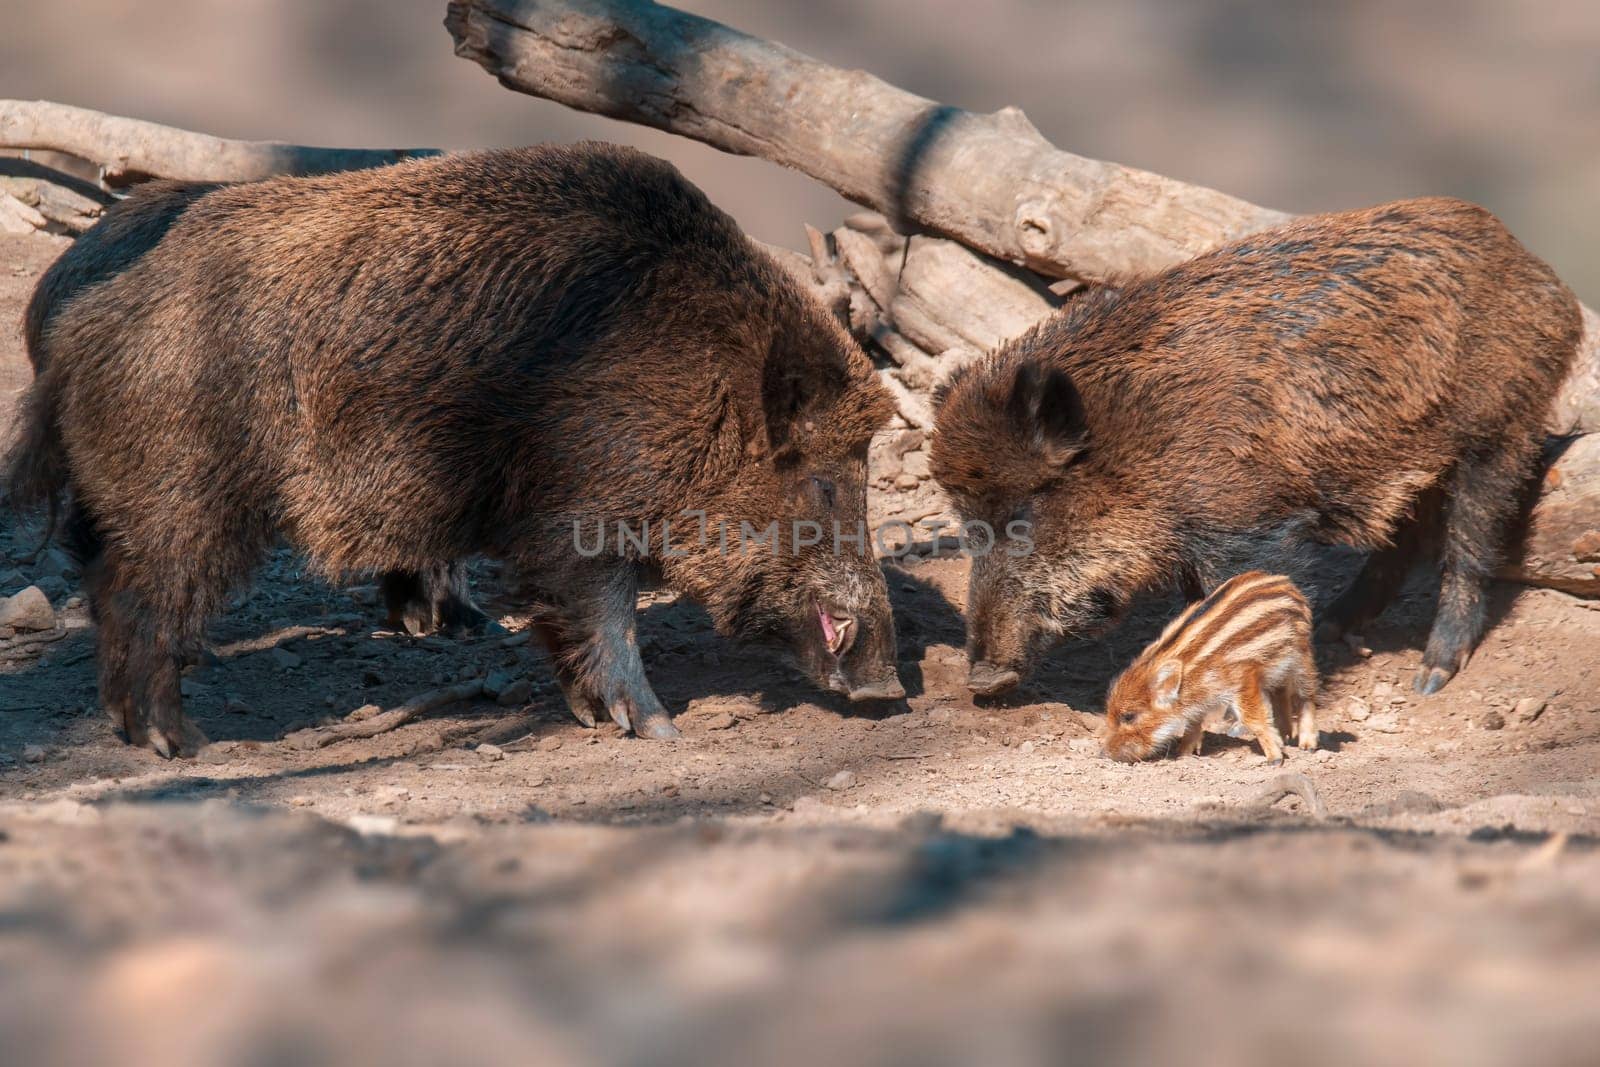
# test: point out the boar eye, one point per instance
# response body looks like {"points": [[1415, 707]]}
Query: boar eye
{"points": [[1129, 717]]}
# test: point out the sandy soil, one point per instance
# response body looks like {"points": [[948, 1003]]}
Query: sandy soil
{"points": [[938, 881]]}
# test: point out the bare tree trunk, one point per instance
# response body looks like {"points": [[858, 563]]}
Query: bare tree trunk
{"points": [[906, 156], [127, 150], [991, 182]]}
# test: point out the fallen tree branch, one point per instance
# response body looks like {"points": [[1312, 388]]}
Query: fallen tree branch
{"points": [[903, 154], [1295, 785], [359, 725], [991, 181], [128, 150]]}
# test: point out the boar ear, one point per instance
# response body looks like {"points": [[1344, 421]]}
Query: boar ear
{"points": [[786, 392], [1045, 405], [1167, 683]]}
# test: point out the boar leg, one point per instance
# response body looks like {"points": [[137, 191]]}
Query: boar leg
{"points": [[436, 598], [1483, 496], [1379, 580], [585, 706], [1189, 744], [1257, 715], [140, 658], [598, 639]]}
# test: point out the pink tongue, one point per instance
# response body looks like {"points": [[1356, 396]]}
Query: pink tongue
{"points": [[827, 627]]}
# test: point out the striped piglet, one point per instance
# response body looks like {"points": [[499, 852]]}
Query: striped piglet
{"points": [[1245, 648]]}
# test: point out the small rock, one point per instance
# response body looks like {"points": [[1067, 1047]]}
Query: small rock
{"points": [[842, 780], [549, 744], [1356, 710], [1382, 694], [369, 825], [1528, 709], [515, 694], [73, 602], [497, 682], [940, 716], [283, 658], [765, 798], [1385, 723], [56, 564], [1085, 745], [1025, 749], [53, 587], [27, 610], [720, 721], [491, 752], [1492, 720], [33, 754], [219, 752]]}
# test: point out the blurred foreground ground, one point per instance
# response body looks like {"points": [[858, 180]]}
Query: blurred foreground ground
{"points": [[796, 881]]}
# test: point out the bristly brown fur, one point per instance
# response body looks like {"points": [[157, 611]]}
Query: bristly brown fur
{"points": [[446, 357], [1312, 382]]}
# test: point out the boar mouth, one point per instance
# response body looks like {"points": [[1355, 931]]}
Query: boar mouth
{"points": [[838, 628]]}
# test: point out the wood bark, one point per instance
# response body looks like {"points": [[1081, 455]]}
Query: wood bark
{"points": [[990, 181], [128, 150]]}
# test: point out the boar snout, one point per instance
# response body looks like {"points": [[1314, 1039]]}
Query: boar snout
{"points": [[866, 669]]}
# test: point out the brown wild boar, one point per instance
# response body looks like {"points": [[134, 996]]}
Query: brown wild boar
{"points": [[434, 598], [1361, 379], [1246, 648], [475, 354]]}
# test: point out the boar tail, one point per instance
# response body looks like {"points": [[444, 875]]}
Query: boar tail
{"points": [[36, 461]]}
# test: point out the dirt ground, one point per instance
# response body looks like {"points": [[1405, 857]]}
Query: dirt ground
{"points": [[796, 880]]}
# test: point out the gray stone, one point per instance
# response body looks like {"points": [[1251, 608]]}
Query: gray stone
{"points": [[515, 694], [720, 721], [33, 754], [1492, 720], [491, 752], [283, 658], [497, 682], [842, 780]]}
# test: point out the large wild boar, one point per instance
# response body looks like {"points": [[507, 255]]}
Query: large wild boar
{"points": [[434, 598], [485, 353], [1377, 379]]}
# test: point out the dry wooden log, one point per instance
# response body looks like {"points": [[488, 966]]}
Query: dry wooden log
{"points": [[902, 154], [128, 150], [1561, 549], [56, 206], [990, 181]]}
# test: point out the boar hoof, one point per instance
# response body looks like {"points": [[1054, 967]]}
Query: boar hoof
{"points": [[884, 689], [987, 681], [1430, 680], [656, 728], [186, 741]]}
